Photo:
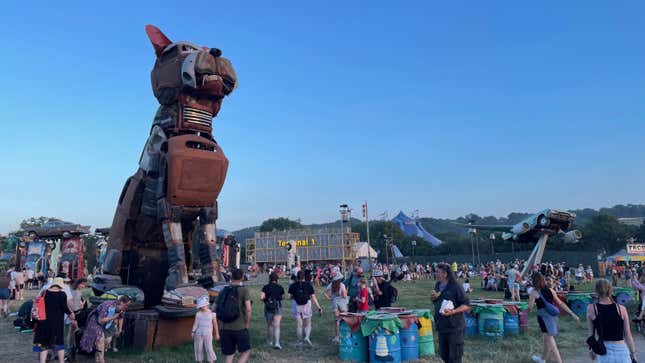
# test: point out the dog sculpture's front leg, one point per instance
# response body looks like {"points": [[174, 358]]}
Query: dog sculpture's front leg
{"points": [[177, 272]]}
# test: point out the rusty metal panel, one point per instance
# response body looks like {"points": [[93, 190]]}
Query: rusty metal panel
{"points": [[196, 171]]}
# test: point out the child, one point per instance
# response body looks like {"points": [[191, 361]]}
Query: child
{"points": [[363, 303], [203, 328], [466, 286]]}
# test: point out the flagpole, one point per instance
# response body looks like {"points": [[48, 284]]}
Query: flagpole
{"points": [[369, 247]]}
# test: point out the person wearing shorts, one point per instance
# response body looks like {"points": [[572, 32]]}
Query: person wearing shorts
{"points": [[302, 293], [234, 336], [271, 295], [337, 292], [4, 294]]}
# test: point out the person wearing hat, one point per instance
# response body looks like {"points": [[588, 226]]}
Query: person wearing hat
{"points": [[381, 290], [204, 327], [50, 332], [103, 324], [337, 292]]}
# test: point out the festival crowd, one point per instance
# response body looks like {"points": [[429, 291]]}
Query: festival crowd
{"points": [[59, 310]]}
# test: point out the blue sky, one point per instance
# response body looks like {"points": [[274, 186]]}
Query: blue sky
{"points": [[485, 107]]}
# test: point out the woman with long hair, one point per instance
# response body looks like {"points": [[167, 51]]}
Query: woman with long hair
{"points": [[337, 292], [611, 322], [541, 295]]}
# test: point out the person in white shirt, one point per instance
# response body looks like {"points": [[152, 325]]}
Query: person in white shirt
{"points": [[466, 286], [30, 278]]}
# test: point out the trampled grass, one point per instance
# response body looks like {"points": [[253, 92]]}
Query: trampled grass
{"points": [[515, 349]]}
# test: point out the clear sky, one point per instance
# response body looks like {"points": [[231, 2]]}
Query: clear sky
{"points": [[449, 108]]}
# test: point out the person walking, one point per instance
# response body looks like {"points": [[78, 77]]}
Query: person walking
{"points": [[302, 294], [77, 303], [204, 327], [611, 322], [103, 324], [352, 285], [49, 333], [639, 284], [337, 293], [31, 277], [450, 304], [271, 295], [540, 296], [513, 282], [4, 294], [235, 334]]}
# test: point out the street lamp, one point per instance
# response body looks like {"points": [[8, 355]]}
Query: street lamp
{"points": [[345, 217], [492, 247], [414, 244]]}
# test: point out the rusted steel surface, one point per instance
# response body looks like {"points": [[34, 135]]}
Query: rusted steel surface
{"points": [[181, 173]]}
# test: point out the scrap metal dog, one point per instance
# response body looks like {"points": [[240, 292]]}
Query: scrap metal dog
{"points": [[181, 173]]}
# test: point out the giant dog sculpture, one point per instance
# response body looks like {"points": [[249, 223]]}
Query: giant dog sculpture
{"points": [[181, 173]]}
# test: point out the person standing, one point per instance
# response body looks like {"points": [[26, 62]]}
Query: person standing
{"points": [[301, 294], [204, 327], [450, 304], [512, 280], [49, 333], [381, 290], [611, 322], [271, 295], [235, 334], [31, 277], [4, 294], [337, 293], [352, 284], [102, 324], [540, 295], [363, 298]]}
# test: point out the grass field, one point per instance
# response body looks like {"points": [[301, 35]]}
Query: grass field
{"points": [[411, 295]]}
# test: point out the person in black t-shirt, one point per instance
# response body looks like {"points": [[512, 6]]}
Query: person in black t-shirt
{"points": [[381, 290], [449, 323], [271, 295], [302, 293]]}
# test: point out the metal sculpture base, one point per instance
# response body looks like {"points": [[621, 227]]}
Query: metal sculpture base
{"points": [[535, 258]]}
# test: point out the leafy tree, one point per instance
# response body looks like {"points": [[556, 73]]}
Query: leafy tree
{"points": [[34, 222], [605, 232], [280, 224]]}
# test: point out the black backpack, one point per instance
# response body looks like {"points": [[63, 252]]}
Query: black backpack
{"points": [[228, 305], [300, 295], [270, 304]]}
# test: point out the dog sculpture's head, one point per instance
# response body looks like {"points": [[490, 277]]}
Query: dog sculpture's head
{"points": [[189, 80]]}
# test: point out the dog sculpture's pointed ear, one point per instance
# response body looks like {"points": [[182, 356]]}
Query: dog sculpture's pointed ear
{"points": [[157, 38]]}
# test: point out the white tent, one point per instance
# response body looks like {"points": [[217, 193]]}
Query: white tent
{"points": [[361, 250]]}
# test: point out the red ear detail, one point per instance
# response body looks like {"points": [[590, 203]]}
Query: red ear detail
{"points": [[157, 38]]}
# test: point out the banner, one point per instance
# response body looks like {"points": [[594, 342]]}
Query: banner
{"points": [[636, 248]]}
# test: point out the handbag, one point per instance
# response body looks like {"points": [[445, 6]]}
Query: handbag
{"points": [[596, 345], [38, 308], [550, 308]]}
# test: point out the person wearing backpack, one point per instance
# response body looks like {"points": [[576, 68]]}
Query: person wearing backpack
{"points": [[271, 295], [548, 304], [611, 322], [50, 330], [301, 294], [234, 314]]}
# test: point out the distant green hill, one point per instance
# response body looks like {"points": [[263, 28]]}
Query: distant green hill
{"points": [[447, 226]]}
